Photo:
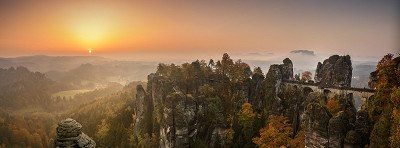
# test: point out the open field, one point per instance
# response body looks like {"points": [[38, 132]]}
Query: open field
{"points": [[69, 93]]}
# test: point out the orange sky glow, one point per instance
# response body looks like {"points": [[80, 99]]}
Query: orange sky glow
{"points": [[197, 27]]}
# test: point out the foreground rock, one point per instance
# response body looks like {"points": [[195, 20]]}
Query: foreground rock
{"points": [[335, 71], [69, 134]]}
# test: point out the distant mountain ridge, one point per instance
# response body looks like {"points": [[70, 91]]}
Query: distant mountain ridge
{"points": [[44, 63], [83, 71], [20, 87]]}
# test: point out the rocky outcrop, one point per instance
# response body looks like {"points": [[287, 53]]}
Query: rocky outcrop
{"points": [[373, 79], [293, 101], [335, 71], [363, 127], [316, 125], [287, 69], [139, 108], [282, 71], [273, 84], [338, 126], [178, 114], [69, 134], [182, 99], [326, 130], [318, 73]]}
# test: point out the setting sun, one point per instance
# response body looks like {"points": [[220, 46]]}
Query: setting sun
{"points": [[192, 73]]}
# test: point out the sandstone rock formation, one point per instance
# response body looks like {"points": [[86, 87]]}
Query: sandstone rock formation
{"points": [[373, 79], [316, 125], [287, 69], [178, 114], [334, 71], [273, 83], [326, 130], [180, 106], [338, 126], [282, 71], [139, 109], [177, 124], [69, 134], [363, 127]]}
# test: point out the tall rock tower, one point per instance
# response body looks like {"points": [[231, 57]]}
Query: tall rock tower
{"points": [[335, 71]]}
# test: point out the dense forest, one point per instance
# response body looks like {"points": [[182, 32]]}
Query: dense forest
{"points": [[220, 103], [29, 113], [226, 104]]}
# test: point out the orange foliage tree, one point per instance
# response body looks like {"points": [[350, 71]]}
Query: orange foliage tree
{"points": [[306, 76], [275, 134], [333, 105], [299, 140], [384, 106]]}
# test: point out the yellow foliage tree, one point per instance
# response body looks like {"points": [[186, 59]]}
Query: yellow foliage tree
{"points": [[102, 129], [246, 120], [247, 115]]}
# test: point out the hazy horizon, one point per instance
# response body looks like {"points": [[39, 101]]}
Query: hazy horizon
{"points": [[364, 29], [137, 73]]}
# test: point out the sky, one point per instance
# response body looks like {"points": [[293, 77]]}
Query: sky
{"points": [[199, 29]]}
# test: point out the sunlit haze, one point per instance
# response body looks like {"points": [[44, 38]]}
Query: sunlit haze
{"points": [[197, 29], [199, 73]]}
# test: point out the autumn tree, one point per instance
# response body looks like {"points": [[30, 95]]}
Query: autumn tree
{"points": [[394, 138], [246, 118], [333, 105], [384, 106], [298, 140], [276, 134], [306, 76]]}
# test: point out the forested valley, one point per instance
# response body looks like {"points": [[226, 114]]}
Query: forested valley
{"points": [[222, 103]]}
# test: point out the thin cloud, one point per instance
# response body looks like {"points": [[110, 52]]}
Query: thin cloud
{"points": [[303, 52]]}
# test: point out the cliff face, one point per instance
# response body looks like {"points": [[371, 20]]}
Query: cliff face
{"points": [[273, 84], [195, 103], [198, 104], [174, 110], [182, 100], [316, 125], [325, 128], [334, 71]]}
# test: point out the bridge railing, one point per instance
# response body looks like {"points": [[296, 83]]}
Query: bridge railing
{"points": [[334, 87]]}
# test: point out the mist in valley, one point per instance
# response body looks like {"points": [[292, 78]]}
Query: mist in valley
{"points": [[200, 73]]}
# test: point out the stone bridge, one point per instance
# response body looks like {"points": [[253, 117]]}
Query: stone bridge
{"points": [[360, 95]]}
